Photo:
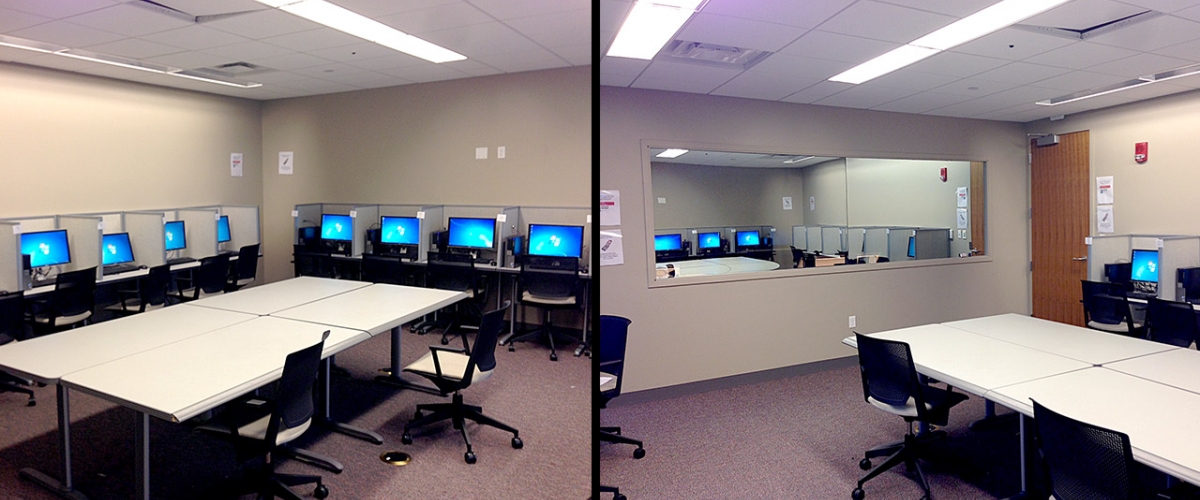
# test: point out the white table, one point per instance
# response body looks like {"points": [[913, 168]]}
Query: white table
{"points": [[1087, 345], [274, 297], [719, 265], [1179, 368]]}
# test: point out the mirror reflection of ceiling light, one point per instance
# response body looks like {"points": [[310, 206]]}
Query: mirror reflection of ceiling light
{"points": [[671, 153]]}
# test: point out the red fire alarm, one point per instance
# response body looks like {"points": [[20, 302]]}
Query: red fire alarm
{"points": [[1141, 152], [943, 174]]}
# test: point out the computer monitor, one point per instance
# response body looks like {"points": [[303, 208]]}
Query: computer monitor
{"points": [[709, 240], [399, 230], [548, 240], [748, 239], [912, 247], [668, 242], [1145, 266], [116, 249], [472, 233], [336, 227], [175, 235], [223, 229], [46, 248]]}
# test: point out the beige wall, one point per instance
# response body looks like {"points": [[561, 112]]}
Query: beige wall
{"points": [[707, 196], [825, 185], [689, 333], [415, 144]]}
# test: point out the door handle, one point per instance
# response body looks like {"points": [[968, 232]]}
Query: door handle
{"points": [[1079, 259]]}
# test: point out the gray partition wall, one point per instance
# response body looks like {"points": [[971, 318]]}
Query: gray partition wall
{"points": [[1176, 252], [83, 235], [855, 239], [898, 243], [932, 243], [832, 240], [200, 225], [432, 219], [875, 241], [512, 225], [814, 238], [365, 217], [146, 237], [1108, 249], [307, 215], [10, 258], [800, 237]]}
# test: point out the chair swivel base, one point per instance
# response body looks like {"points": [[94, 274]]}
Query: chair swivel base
{"points": [[613, 435], [906, 452], [14, 386], [547, 331], [279, 485], [457, 413], [614, 490]]}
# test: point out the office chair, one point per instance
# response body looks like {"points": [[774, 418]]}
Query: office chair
{"points": [[890, 383], [456, 273], [208, 279], [797, 257], [245, 269], [452, 370], [68, 305], [1083, 461], [1171, 322], [11, 328], [1106, 308], [548, 283], [152, 293], [312, 262], [613, 332], [261, 428], [380, 269]]}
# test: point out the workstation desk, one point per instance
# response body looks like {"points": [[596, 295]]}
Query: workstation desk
{"points": [[713, 266]]}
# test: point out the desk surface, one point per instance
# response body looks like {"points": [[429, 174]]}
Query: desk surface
{"points": [[1179, 368], [178, 381], [280, 295], [109, 279], [719, 265], [375, 309], [1090, 346]]}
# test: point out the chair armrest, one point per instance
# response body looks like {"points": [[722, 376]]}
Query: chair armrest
{"points": [[437, 365]]}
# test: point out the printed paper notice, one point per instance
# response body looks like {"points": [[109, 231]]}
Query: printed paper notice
{"points": [[1104, 190], [610, 208], [1104, 219], [611, 251], [286, 162], [961, 194], [235, 164], [963, 218]]}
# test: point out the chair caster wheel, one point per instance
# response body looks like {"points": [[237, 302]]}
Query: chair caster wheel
{"points": [[511, 348], [445, 341], [406, 438], [469, 457], [864, 464], [553, 357], [517, 443], [32, 402], [619, 496], [857, 494], [639, 453], [321, 491]]}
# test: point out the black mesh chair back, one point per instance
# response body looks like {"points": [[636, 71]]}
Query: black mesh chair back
{"points": [[1083, 461], [888, 373], [614, 330], [12, 312], [310, 263], [451, 272], [1106, 304], [1171, 322], [551, 283], [74, 293], [246, 268], [294, 402], [154, 287], [379, 269], [210, 276], [483, 356]]}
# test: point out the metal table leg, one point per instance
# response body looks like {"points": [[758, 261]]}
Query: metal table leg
{"points": [[141, 454], [64, 488], [327, 422], [393, 379]]}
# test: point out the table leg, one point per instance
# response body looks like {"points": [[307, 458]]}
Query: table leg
{"points": [[64, 488], [990, 419], [1024, 443], [329, 423], [393, 379], [587, 304], [141, 454]]}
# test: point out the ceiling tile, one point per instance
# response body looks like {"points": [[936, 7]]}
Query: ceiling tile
{"points": [[803, 67], [864, 97], [956, 64], [1080, 55], [134, 48], [11, 20], [393, 60], [515, 9], [379, 8], [129, 20], [1188, 50], [195, 37], [426, 73], [57, 9], [817, 92], [329, 71], [743, 33], [1162, 31], [1167, 6], [247, 51], [1192, 13], [1153, 90], [683, 77], [263, 24], [880, 21], [1083, 14], [915, 81], [1076, 81], [974, 87], [1021, 73], [292, 61], [66, 34], [512, 62], [1143, 64], [189, 60], [956, 8], [1012, 43], [920, 103], [789, 12], [481, 39], [836, 47], [614, 80], [451, 15], [362, 50], [316, 39], [623, 66], [967, 109], [577, 55], [556, 29], [754, 85]]}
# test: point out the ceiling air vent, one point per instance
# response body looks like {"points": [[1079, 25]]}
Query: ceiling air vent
{"points": [[239, 68], [711, 54]]}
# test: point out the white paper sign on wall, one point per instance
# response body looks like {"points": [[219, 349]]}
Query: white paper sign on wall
{"points": [[287, 163]]}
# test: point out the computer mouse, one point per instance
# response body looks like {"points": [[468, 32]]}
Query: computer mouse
{"points": [[491, 262], [142, 267]]}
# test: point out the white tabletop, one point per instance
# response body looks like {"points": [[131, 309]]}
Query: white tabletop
{"points": [[376, 309], [280, 295], [975, 363], [1179, 368], [46, 359], [1159, 419], [1084, 344], [720, 265], [178, 381]]}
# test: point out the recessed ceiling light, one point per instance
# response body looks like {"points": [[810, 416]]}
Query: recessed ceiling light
{"points": [[1125, 85], [671, 153], [649, 26], [898, 58]]}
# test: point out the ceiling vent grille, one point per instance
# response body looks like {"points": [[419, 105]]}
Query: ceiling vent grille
{"points": [[235, 69], [711, 54]]}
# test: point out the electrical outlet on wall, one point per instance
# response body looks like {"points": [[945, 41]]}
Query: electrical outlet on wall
{"points": [[853, 321]]}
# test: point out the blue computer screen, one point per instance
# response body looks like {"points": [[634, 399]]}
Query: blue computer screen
{"points": [[175, 235], [548, 240], [912, 247], [668, 242], [46, 248], [223, 229], [400, 230], [116, 249], [471, 233], [709, 240], [336, 227], [1145, 265], [747, 238]]}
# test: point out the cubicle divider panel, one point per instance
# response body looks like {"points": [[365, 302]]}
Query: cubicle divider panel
{"points": [[244, 225], [433, 218], [875, 241], [10, 257], [34, 224], [814, 238], [933, 243], [855, 237], [512, 225], [831, 240], [83, 235], [898, 244], [308, 215], [146, 237], [800, 237], [1176, 252], [365, 217], [201, 228], [1107, 250]]}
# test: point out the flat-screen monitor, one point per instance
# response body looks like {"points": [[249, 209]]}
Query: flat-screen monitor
{"points": [[467, 232], [175, 235], [548, 240], [336, 227], [116, 248], [747, 239], [399, 230], [709, 240], [46, 248], [223, 229], [912, 247], [668, 242], [1145, 266]]}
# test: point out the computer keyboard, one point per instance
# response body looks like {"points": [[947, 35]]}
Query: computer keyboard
{"points": [[1141, 295], [180, 260], [119, 268]]}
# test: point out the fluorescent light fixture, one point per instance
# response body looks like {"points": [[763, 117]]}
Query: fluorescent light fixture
{"points": [[347, 21], [21, 43], [898, 58], [113, 61], [1190, 70], [192, 75], [798, 159], [649, 26], [671, 153]]}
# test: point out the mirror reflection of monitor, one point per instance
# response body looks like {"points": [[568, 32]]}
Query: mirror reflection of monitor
{"points": [[175, 235], [748, 239], [223, 229], [116, 249], [912, 247], [471, 233], [336, 227], [668, 242], [547, 240], [46, 248], [1145, 266], [709, 240], [399, 230]]}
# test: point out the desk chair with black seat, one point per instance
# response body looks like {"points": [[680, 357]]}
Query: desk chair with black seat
{"points": [[207, 279], [1171, 322], [245, 269], [614, 330], [451, 369], [890, 383], [311, 262], [381, 269], [260, 427], [70, 303], [12, 327], [1083, 461], [1106, 308], [152, 293], [548, 283], [456, 273]]}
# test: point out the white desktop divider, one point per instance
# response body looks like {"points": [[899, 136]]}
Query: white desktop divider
{"points": [[83, 233], [10, 257], [434, 220], [307, 215], [34, 224], [832, 240], [201, 228], [513, 225], [365, 217], [814, 238], [245, 225], [1107, 249], [800, 237], [1176, 252], [875, 241], [855, 241], [898, 243], [146, 237]]}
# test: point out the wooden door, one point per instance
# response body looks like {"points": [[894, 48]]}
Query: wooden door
{"points": [[1059, 178]]}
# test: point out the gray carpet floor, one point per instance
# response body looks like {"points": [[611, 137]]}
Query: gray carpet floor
{"points": [[548, 402]]}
